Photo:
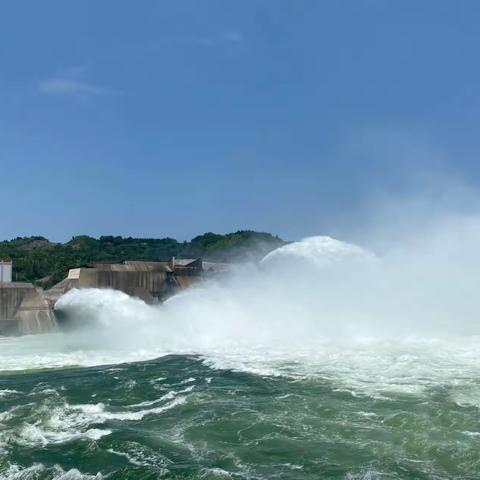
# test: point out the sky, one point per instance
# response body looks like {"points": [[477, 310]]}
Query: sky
{"points": [[159, 118]]}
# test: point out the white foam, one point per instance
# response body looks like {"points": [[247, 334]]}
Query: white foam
{"points": [[130, 458], [141, 455], [167, 396], [216, 473], [8, 393], [9, 414], [66, 423], [17, 472], [31, 435]]}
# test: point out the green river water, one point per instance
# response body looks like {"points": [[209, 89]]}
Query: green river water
{"points": [[179, 417]]}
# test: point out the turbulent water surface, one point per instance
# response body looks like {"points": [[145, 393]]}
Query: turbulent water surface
{"points": [[278, 372], [343, 411]]}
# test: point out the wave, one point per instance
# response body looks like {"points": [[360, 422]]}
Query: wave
{"points": [[37, 470], [54, 421]]}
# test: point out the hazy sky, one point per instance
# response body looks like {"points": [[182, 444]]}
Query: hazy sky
{"points": [[154, 118]]}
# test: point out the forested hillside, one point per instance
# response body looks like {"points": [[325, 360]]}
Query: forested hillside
{"points": [[36, 259]]}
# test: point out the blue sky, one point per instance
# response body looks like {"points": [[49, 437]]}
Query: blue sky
{"points": [[158, 118]]}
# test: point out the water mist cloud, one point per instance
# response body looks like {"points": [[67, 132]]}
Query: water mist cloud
{"points": [[315, 289]]}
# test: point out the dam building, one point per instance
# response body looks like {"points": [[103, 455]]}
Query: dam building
{"points": [[152, 282], [23, 309], [5, 271]]}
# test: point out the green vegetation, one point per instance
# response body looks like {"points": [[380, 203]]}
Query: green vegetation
{"points": [[38, 260]]}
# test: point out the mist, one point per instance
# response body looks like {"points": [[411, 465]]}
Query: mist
{"points": [[424, 284]]}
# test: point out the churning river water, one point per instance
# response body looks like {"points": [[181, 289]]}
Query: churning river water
{"points": [[276, 373]]}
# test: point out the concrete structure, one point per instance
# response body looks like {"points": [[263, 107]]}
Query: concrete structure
{"points": [[151, 281], [23, 310], [5, 271]]}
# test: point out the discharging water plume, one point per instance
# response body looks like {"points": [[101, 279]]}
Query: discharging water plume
{"points": [[316, 289]]}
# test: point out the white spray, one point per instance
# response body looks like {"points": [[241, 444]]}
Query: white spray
{"points": [[319, 306]]}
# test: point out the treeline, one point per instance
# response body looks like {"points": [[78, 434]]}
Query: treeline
{"points": [[40, 261]]}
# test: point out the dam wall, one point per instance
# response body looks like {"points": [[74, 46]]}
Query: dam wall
{"points": [[150, 281], [24, 310]]}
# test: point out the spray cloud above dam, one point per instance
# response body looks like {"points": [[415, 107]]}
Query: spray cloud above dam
{"points": [[317, 288]]}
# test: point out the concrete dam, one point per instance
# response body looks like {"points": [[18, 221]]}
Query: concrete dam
{"points": [[26, 310]]}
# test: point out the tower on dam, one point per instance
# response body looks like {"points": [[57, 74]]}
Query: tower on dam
{"points": [[5, 271]]}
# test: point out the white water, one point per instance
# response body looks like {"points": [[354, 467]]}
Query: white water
{"points": [[395, 322]]}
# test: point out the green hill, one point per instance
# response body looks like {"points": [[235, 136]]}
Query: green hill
{"points": [[38, 260]]}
